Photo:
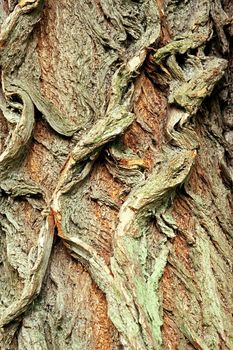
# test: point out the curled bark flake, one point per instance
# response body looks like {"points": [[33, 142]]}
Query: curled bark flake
{"points": [[33, 280], [20, 135]]}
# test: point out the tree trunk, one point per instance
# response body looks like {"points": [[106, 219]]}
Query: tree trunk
{"points": [[116, 166]]}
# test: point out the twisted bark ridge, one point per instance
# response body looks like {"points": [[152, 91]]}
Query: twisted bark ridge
{"points": [[116, 174]]}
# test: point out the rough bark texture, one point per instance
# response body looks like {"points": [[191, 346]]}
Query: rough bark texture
{"points": [[116, 134]]}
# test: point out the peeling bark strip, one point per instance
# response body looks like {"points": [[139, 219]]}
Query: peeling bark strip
{"points": [[116, 175]]}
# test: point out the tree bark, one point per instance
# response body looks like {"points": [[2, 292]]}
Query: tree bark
{"points": [[116, 164]]}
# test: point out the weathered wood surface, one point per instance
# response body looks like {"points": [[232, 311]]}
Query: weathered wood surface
{"points": [[116, 164]]}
